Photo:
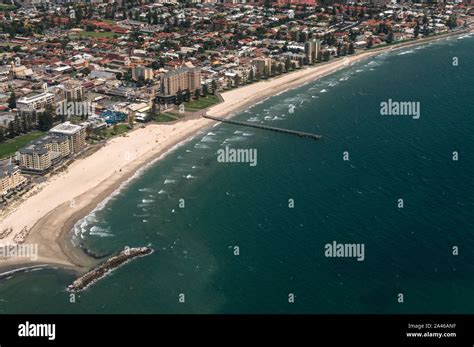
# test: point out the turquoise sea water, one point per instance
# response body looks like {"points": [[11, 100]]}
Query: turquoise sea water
{"points": [[407, 250]]}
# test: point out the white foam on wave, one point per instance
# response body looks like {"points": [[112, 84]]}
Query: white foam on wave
{"points": [[406, 52], [169, 181], [101, 232], [323, 91], [162, 191], [234, 139], [23, 269], [253, 119], [201, 146], [79, 231], [190, 176], [148, 201], [208, 139]]}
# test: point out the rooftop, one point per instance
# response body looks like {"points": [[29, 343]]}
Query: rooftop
{"points": [[65, 128]]}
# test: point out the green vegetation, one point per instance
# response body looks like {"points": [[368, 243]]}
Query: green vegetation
{"points": [[201, 103], [95, 34], [118, 129], [6, 7], [11, 146], [166, 117], [106, 133]]}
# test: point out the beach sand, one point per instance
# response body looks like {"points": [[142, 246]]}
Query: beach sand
{"points": [[65, 198]]}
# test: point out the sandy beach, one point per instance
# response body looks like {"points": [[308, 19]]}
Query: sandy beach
{"points": [[60, 202]]}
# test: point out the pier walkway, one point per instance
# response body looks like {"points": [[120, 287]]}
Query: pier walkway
{"points": [[264, 127]]}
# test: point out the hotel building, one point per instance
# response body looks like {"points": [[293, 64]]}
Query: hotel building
{"points": [[10, 179], [142, 72], [38, 156], [36, 102], [312, 49], [35, 159], [263, 66], [73, 91], [76, 135], [184, 78]]}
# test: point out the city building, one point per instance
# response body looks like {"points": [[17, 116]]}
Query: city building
{"points": [[76, 135], [141, 72], [184, 78], [263, 66], [39, 155], [35, 159], [10, 179], [73, 91], [35, 102], [312, 49]]}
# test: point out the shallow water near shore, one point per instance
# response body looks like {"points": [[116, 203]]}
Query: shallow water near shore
{"points": [[281, 250]]}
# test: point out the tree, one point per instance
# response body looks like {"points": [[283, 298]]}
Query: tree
{"points": [[351, 48], [16, 125], [236, 80], [370, 42], [179, 97], [131, 121], [205, 90], [390, 37], [214, 86], [115, 129], [197, 94], [451, 22], [11, 130], [2, 135], [251, 76], [416, 32], [326, 55], [45, 119], [153, 112], [12, 100], [187, 95], [287, 64]]}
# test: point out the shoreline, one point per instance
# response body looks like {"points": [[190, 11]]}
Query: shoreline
{"points": [[70, 196]]}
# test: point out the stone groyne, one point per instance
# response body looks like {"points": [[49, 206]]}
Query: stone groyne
{"points": [[109, 265]]}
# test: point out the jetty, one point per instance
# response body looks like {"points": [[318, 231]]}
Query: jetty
{"points": [[264, 127], [109, 265]]}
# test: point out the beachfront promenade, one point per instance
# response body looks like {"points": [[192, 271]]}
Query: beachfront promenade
{"points": [[264, 127]]}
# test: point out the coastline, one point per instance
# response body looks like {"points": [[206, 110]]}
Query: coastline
{"points": [[51, 213]]}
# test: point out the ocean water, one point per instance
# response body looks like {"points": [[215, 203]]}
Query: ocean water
{"points": [[408, 251]]}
